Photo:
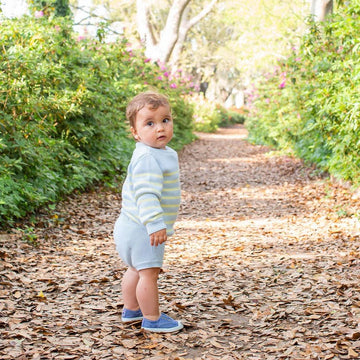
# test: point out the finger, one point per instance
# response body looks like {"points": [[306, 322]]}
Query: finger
{"points": [[156, 241]]}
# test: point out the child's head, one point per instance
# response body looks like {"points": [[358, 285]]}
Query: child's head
{"points": [[150, 119], [151, 98]]}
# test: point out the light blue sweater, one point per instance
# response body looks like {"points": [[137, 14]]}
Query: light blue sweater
{"points": [[151, 191]]}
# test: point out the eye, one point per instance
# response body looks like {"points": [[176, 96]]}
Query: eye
{"points": [[166, 120], [150, 123]]}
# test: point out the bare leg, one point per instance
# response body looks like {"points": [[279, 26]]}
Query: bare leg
{"points": [[147, 293], [129, 285]]}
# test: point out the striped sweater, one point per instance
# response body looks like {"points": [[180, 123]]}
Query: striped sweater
{"points": [[151, 191]]}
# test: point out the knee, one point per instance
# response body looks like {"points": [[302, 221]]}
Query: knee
{"points": [[149, 274]]}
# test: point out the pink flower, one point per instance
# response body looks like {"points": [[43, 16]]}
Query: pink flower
{"points": [[81, 37], [173, 86], [147, 60], [282, 85], [39, 14], [159, 78], [166, 74], [267, 101], [297, 59], [57, 28]]}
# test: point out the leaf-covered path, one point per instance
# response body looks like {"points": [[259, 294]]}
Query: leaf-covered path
{"points": [[265, 264]]}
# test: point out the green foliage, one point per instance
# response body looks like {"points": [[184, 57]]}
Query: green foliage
{"points": [[230, 117], [240, 38], [48, 7], [62, 106], [310, 104], [183, 121], [29, 236], [235, 41], [208, 115]]}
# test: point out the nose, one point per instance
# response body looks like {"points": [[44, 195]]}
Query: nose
{"points": [[160, 127]]}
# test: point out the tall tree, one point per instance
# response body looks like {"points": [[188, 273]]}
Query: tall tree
{"points": [[224, 43], [160, 46], [321, 8], [186, 24]]}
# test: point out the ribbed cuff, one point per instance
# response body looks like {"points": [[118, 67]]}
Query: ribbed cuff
{"points": [[155, 226]]}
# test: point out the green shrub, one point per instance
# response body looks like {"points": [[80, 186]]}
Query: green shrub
{"points": [[62, 111], [230, 117], [208, 115], [310, 104]]}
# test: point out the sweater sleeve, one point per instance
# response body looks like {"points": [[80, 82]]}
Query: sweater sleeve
{"points": [[147, 179]]}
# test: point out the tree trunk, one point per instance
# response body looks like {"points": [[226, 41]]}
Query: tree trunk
{"points": [[185, 26], [162, 49], [143, 24], [173, 34], [170, 33], [321, 8]]}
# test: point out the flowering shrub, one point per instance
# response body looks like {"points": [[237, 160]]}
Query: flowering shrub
{"points": [[62, 106], [310, 104], [206, 115]]}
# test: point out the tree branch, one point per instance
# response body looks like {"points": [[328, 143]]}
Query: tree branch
{"points": [[185, 26], [144, 26], [201, 15]]}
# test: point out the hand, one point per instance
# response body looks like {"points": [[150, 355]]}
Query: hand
{"points": [[158, 237]]}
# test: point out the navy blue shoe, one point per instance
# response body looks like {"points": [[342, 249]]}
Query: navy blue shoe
{"points": [[131, 315], [165, 324]]}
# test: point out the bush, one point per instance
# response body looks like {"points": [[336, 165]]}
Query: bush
{"points": [[310, 104], [62, 111], [208, 116], [231, 116]]}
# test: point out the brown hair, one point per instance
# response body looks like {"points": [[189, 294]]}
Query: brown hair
{"points": [[139, 101]]}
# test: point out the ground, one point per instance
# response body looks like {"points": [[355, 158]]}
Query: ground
{"points": [[265, 264]]}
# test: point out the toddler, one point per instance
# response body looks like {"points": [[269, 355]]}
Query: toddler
{"points": [[150, 204]]}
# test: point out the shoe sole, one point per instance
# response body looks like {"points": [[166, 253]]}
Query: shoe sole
{"points": [[164, 330], [129, 320]]}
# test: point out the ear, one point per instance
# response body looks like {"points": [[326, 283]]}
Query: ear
{"points": [[134, 133]]}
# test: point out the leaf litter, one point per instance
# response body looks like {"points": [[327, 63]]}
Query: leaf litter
{"points": [[264, 264]]}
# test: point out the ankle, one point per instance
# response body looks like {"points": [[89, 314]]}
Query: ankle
{"points": [[152, 317], [131, 308]]}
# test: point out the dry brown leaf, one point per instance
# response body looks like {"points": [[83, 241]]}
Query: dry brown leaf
{"points": [[261, 265]]}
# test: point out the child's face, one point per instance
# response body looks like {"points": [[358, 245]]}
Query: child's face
{"points": [[153, 127]]}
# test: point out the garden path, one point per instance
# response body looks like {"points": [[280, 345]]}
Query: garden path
{"points": [[265, 264]]}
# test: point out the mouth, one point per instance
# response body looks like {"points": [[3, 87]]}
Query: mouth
{"points": [[163, 137]]}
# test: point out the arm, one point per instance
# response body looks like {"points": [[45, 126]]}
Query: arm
{"points": [[147, 179]]}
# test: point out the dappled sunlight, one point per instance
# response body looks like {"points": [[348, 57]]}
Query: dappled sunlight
{"points": [[270, 239], [241, 160], [254, 252], [221, 135]]}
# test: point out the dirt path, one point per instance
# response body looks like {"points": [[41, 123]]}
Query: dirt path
{"points": [[265, 264]]}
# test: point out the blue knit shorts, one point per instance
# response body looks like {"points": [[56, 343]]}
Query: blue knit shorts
{"points": [[133, 245]]}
